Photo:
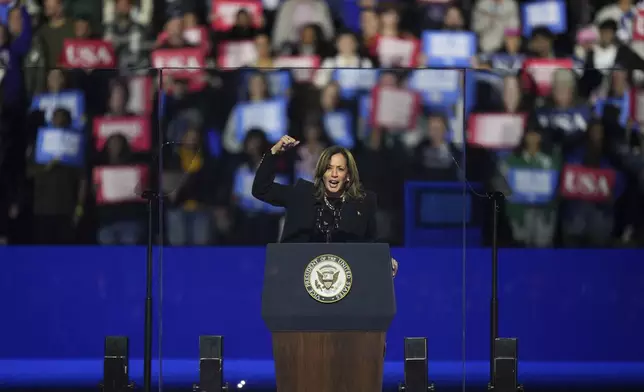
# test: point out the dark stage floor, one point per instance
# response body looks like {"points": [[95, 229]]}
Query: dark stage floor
{"points": [[528, 388], [258, 375]]}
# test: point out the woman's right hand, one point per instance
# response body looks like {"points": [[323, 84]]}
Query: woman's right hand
{"points": [[284, 144]]}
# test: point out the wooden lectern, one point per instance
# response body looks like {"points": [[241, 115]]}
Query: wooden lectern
{"points": [[328, 307]]}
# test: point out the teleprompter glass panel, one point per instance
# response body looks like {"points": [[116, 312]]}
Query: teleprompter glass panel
{"points": [[562, 144]]}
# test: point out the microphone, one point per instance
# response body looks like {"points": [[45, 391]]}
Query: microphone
{"points": [[325, 227]]}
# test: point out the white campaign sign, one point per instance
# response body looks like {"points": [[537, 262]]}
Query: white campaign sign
{"points": [[436, 80], [59, 143], [239, 54], [395, 108], [261, 115], [450, 45], [119, 183], [498, 130], [351, 78], [139, 88], [337, 127], [544, 13], [533, 182], [639, 107], [396, 52]]}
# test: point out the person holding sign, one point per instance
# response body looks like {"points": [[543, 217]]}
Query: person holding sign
{"points": [[59, 183], [590, 186], [243, 29], [490, 20], [332, 208], [347, 57], [246, 113], [532, 174], [120, 219]]}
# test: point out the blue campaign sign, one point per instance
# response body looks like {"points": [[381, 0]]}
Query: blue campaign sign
{"points": [[623, 104], [269, 116], [339, 127], [449, 49], [353, 81], [506, 64], [469, 92], [568, 121], [279, 82], [440, 88], [214, 142], [532, 186], [65, 145], [303, 174], [72, 100], [435, 213], [242, 188], [544, 13], [364, 110]]}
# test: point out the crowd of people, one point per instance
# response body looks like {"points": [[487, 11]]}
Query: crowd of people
{"points": [[539, 99]]}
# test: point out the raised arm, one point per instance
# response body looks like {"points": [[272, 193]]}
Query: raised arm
{"points": [[264, 186]]}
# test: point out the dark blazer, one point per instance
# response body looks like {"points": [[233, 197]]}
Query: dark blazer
{"points": [[358, 218]]}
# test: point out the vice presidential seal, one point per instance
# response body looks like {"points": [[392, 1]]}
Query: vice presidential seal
{"points": [[328, 278]]}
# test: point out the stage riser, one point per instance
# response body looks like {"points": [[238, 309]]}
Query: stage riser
{"points": [[387, 389]]}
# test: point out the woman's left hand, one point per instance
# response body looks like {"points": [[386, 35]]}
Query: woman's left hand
{"points": [[394, 267]]}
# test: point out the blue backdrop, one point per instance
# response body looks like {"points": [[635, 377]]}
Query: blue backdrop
{"points": [[578, 314]]}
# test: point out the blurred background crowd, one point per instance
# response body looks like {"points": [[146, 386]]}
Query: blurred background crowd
{"points": [[439, 100]]}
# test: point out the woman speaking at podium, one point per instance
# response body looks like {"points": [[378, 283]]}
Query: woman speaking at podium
{"points": [[332, 208]]}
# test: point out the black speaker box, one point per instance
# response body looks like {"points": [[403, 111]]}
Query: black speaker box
{"points": [[416, 379], [505, 365], [211, 363], [115, 364]]}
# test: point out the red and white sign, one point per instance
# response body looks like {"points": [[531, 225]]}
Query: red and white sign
{"points": [[87, 54], [237, 54], [303, 67], [394, 108], [542, 72], [584, 183], [141, 95], [224, 13], [185, 63], [195, 36], [119, 184], [638, 25], [135, 129], [397, 52], [495, 130]]}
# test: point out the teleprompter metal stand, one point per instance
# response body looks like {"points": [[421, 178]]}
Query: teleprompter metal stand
{"points": [[503, 351], [115, 377], [151, 197], [416, 377], [211, 365], [116, 365]]}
